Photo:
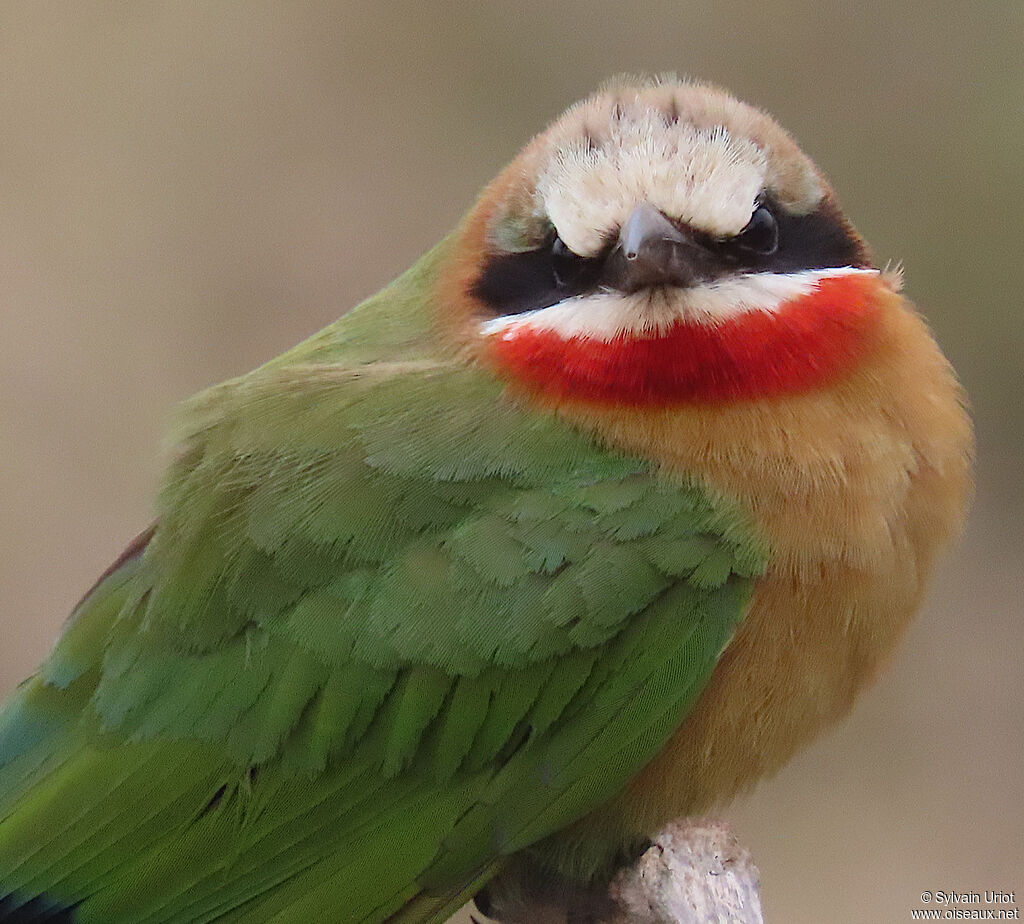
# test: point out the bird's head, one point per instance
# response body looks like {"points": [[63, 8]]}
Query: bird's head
{"points": [[663, 242]]}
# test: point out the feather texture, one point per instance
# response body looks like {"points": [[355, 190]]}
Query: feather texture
{"points": [[391, 628]]}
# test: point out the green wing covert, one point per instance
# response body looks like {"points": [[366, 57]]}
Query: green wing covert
{"points": [[390, 628]]}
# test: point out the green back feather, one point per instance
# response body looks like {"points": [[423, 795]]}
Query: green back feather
{"points": [[391, 628]]}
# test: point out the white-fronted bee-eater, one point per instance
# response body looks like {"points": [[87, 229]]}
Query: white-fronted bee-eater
{"points": [[590, 519]]}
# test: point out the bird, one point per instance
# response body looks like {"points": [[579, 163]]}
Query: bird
{"points": [[589, 520]]}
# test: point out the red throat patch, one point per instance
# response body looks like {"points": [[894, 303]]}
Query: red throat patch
{"points": [[808, 341]]}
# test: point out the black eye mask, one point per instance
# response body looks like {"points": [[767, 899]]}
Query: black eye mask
{"points": [[774, 241]]}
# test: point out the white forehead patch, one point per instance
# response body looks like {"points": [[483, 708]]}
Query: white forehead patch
{"points": [[704, 177], [650, 313]]}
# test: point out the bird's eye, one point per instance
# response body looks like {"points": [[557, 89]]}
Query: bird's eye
{"points": [[761, 235], [567, 266], [560, 250]]}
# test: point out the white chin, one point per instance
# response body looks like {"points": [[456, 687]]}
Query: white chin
{"points": [[607, 315]]}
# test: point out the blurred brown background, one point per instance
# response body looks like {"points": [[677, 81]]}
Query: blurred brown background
{"points": [[187, 189]]}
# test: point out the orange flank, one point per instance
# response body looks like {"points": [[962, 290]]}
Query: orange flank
{"points": [[853, 515]]}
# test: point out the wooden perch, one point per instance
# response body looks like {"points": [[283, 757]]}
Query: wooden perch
{"points": [[695, 872]]}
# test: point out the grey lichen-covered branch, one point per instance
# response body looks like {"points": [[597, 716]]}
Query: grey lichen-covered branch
{"points": [[695, 872]]}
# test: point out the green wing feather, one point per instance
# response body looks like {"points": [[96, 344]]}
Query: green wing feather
{"points": [[390, 629]]}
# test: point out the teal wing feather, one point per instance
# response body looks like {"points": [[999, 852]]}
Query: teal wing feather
{"points": [[389, 630]]}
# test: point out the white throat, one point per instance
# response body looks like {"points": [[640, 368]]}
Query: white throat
{"points": [[606, 315]]}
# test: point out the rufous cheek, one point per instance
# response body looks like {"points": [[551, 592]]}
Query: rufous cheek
{"points": [[807, 342]]}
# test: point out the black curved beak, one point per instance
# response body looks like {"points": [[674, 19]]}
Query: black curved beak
{"points": [[651, 251]]}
